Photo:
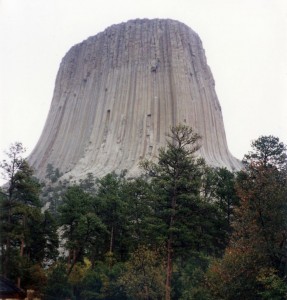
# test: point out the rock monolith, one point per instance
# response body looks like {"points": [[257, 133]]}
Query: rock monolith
{"points": [[118, 93]]}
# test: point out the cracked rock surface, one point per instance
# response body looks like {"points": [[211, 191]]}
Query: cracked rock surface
{"points": [[118, 93]]}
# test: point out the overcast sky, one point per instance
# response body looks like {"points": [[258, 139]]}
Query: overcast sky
{"points": [[245, 42]]}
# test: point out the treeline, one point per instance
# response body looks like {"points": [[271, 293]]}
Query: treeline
{"points": [[182, 230]]}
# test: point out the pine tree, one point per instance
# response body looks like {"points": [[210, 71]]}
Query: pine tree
{"points": [[113, 213], [82, 228], [140, 214], [22, 222], [177, 179], [258, 240]]}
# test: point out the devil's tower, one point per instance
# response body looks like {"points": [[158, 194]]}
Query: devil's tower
{"points": [[118, 93]]}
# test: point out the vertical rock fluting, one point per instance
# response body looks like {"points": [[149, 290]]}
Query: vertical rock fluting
{"points": [[118, 93]]}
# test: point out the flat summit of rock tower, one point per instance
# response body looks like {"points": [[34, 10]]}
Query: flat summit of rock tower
{"points": [[118, 93]]}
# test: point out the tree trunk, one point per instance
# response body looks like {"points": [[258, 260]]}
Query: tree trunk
{"points": [[69, 260], [112, 240], [168, 269], [74, 257], [19, 282], [21, 255], [8, 242], [169, 251], [6, 258]]}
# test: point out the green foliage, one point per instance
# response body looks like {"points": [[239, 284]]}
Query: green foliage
{"points": [[11, 166], [88, 184], [144, 275], [140, 219], [219, 191], [176, 182], [53, 189], [112, 210], [225, 193], [182, 214], [101, 282], [262, 188], [52, 195], [53, 174], [58, 286], [273, 287], [158, 236], [268, 151], [27, 243], [82, 228], [258, 240], [189, 278], [229, 278]]}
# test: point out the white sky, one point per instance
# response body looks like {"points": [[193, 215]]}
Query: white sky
{"points": [[245, 43]]}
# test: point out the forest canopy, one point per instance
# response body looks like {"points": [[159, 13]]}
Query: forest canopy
{"points": [[181, 230]]}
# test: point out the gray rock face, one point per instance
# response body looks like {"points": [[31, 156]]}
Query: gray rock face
{"points": [[118, 93]]}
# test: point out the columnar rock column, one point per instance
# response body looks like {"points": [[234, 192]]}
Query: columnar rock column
{"points": [[118, 93]]}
